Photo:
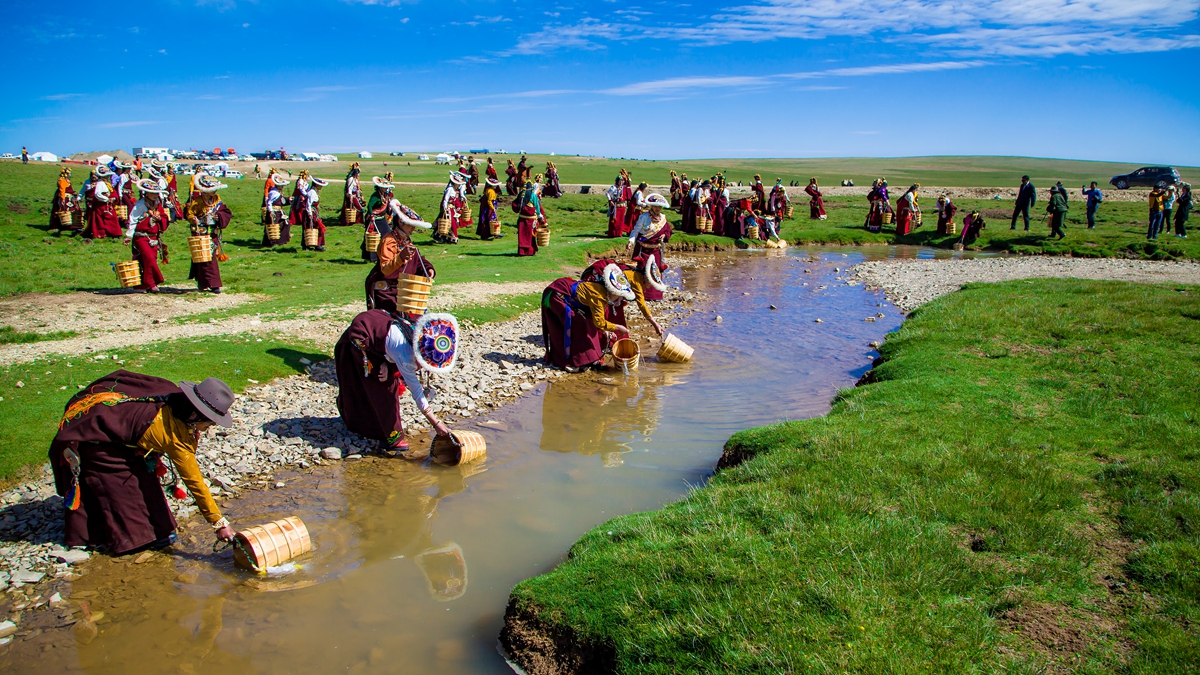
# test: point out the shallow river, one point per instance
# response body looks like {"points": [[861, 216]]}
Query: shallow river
{"points": [[413, 564]]}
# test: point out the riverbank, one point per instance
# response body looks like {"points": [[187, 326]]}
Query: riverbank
{"points": [[1010, 488]]}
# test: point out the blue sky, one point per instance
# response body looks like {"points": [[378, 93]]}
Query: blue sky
{"points": [[1088, 79]]}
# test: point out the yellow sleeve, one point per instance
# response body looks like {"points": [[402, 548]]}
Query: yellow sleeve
{"points": [[170, 436], [595, 298], [639, 294]]}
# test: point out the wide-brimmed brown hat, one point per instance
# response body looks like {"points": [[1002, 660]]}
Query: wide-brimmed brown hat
{"points": [[212, 398]]}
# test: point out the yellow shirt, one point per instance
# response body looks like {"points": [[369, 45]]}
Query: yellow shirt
{"points": [[170, 436], [639, 294], [594, 296]]}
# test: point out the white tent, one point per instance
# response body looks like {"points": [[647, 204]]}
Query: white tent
{"points": [[103, 159], [442, 159], [364, 155], [44, 157]]}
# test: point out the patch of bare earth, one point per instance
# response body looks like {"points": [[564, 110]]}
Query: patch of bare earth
{"points": [[547, 647], [114, 310]]}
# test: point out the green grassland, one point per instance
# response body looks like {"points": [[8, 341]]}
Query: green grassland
{"points": [[950, 171], [1015, 489]]}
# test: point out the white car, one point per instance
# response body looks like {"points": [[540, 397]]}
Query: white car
{"points": [[423, 158], [233, 174]]}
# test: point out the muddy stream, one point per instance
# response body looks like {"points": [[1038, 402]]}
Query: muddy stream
{"points": [[413, 563]]}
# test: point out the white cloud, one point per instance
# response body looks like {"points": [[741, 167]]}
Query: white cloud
{"points": [[119, 125], [60, 97], [982, 27]]}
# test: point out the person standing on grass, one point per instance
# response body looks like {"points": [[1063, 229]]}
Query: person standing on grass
{"points": [[397, 254], [24, 155], [1183, 210], [510, 183], [209, 216], [352, 196], [530, 216], [906, 210], [108, 459], [310, 218], [760, 194], [102, 218], [453, 203], [1094, 197], [553, 188], [946, 211], [618, 196], [148, 220], [491, 170], [816, 201], [1026, 198], [1168, 207], [63, 200], [377, 218], [1157, 195], [1057, 208], [274, 203], [488, 215], [719, 204]]}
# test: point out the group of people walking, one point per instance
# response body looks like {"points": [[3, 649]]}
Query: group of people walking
{"points": [[304, 209], [1168, 204]]}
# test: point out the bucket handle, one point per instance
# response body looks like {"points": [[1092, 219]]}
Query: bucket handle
{"points": [[222, 546]]}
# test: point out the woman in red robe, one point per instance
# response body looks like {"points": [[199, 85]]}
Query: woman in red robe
{"points": [[148, 220], [396, 254], [552, 189], [651, 233], [102, 218], [510, 184], [491, 170], [718, 205], [676, 188], [760, 194], [209, 216], [633, 206], [64, 200], [906, 208], [530, 215], [816, 205], [575, 327], [618, 196]]}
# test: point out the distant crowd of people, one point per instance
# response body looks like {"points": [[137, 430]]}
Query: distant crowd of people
{"points": [[1168, 205]]}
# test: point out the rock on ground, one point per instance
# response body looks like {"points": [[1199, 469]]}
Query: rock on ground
{"points": [[912, 283]]}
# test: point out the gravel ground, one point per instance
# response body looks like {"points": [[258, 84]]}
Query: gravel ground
{"points": [[113, 322], [912, 283], [292, 423]]}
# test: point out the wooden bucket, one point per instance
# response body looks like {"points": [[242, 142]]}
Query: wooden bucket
{"points": [[951, 228], [311, 236], [543, 237], [788, 212], [412, 293], [495, 227], [445, 571], [371, 241], [627, 354], [460, 447], [752, 232], [466, 213], [274, 231], [271, 545], [64, 218], [350, 216], [129, 273], [887, 217], [266, 214], [704, 224], [443, 226], [200, 247], [917, 219], [122, 211], [674, 350]]}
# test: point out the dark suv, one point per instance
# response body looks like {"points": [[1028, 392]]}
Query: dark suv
{"points": [[1147, 176]]}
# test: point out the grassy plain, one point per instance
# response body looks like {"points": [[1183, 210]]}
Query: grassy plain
{"points": [[1015, 490]]}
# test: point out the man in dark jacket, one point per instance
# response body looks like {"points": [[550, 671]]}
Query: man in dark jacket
{"points": [[1026, 198], [1057, 208]]}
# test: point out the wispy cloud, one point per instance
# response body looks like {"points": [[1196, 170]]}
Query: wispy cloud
{"points": [[676, 84], [60, 97], [333, 87], [981, 27], [120, 125]]}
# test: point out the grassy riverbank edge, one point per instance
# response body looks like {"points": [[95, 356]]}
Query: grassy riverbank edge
{"points": [[1012, 487]]}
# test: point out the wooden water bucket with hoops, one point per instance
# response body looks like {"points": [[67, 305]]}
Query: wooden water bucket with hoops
{"points": [[466, 212], [122, 211], [789, 211], [752, 232], [274, 231], [371, 241], [543, 237], [200, 246], [64, 218], [917, 219], [675, 350], [951, 228], [129, 273], [271, 545], [311, 236], [704, 224], [626, 354], [412, 293], [887, 218], [443, 226], [266, 214], [445, 571], [460, 447], [495, 227], [351, 216]]}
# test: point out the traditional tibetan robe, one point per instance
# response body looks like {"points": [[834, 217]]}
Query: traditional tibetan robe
{"points": [[905, 208], [649, 237], [146, 226], [487, 211], [574, 323], [213, 219], [102, 219], [529, 214], [816, 204], [396, 255], [552, 189], [377, 218]]}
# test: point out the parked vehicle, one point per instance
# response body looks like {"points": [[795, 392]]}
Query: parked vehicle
{"points": [[233, 174], [423, 158], [8, 155], [1147, 176]]}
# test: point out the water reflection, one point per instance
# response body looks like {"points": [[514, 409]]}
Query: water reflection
{"points": [[629, 404]]}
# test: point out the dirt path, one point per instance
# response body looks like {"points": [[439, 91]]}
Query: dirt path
{"points": [[106, 322], [912, 283]]}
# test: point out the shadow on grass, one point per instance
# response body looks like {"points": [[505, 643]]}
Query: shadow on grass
{"points": [[348, 261], [291, 357]]}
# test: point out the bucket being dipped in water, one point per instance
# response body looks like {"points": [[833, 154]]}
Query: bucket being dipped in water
{"points": [[460, 447], [412, 293], [627, 354], [270, 545], [129, 273], [674, 350]]}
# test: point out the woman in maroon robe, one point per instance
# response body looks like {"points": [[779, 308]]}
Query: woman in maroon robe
{"points": [[376, 364], [64, 199], [575, 329], [148, 220], [718, 204], [488, 214], [688, 207], [816, 205], [510, 184], [633, 206], [107, 458], [651, 233], [208, 216], [676, 188], [396, 255], [947, 209], [618, 197], [530, 215], [552, 189], [490, 172], [760, 194], [102, 218], [906, 209]]}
